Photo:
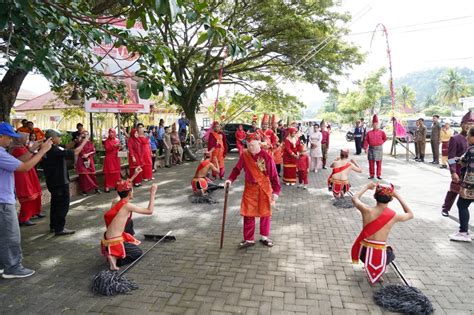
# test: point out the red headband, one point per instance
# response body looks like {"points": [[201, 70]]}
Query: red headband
{"points": [[253, 136], [382, 190]]}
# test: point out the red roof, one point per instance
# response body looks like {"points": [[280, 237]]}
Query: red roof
{"points": [[43, 102]]}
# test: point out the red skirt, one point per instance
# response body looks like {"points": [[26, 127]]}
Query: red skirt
{"points": [[289, 169], [444, 148], [111, 179], [139, 178], [29, 209], [87, 182], [147, 172]]}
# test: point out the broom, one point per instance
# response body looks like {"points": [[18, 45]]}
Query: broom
{"points": [[110, 282], [403, 298]]}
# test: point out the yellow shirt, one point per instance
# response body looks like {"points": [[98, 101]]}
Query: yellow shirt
{"points": [[445, 135]]}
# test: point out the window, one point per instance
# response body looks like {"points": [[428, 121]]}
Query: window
{"points": [[206, 122]]}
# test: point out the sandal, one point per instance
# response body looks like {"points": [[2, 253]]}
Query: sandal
{"points": [[245, 244], [267, 242]]}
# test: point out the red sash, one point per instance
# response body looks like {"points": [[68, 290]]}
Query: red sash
{"points": [[109, 216], [202, 165], [338, 170], [375, 259], [260, 178]]}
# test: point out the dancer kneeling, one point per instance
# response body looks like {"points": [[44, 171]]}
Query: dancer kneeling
{"points": [[338, 181], [370, 246], [118, 246], [201, 184]]}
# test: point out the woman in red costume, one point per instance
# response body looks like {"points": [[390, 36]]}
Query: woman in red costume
{"points": [[217, 147], [240, 135], [111, 161], [135, 156], [147, 161], [85, 167], [290, 156]]}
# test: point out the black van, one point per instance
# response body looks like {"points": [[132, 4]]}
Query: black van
{"points": [[229, 130]]}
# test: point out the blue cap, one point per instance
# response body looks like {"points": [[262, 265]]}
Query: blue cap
{"points": [[7, 130]]}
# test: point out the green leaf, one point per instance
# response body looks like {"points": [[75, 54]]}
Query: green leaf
{"points": [[174, 9], [130, 22], [202, 38], [144, 90]]}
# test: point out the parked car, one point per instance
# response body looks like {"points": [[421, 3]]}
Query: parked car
{"points": [[229, 131], [410, 126]]}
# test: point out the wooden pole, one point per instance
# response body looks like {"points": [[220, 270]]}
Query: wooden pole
{"points": [[226, 194]]}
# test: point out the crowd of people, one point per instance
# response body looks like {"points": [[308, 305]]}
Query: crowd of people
{"points": [[22, 151]]}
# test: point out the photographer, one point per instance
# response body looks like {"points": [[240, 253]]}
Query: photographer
{"points": [[57, 180]]}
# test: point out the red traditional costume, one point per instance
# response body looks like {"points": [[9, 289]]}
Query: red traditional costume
{"points": [[111, 161], [200, 184], [324, 143], [147, 163], [261, 181], [85, 168], [337, 186], [375, 259], [239, 137], [278, 157], [373, 144], [218, 142], [289, 158], [114, 246], [302, 166], [27, 189], [135, 152]]}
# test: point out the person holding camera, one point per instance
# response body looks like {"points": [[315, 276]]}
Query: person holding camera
{"points": [[457, 146], [57, 180], [10, 239]]}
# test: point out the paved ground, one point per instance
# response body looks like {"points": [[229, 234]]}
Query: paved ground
{"points": [[308, 271]]}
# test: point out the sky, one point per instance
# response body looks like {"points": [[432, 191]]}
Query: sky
{"points": [[422, 34]]}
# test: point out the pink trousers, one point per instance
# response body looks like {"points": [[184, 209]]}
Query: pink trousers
{"points": [[249, 227]]}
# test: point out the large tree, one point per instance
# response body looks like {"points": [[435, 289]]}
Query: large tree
{"points": [[272, 38], [405, 97], [57, 39]]}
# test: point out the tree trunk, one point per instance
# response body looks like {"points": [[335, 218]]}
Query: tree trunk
{"points": [[193, 126], [9, 88]]}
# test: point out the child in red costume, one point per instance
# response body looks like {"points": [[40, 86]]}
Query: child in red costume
{"points": [[302, 166]]}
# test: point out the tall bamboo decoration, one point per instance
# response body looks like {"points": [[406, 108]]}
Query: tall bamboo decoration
{"points": [[393, 150]]}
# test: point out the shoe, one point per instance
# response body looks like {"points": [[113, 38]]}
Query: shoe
{"points": [[245, 244], [299, 186], [98, 192], [21, 272], [287, 184], [27, 223], [292, 184], [460, 237], [40, 215], [1, 271], [84, 193], [379, 178], [371, 177], [167, 166], [305, 187], [137, 185], [443, 166], [146, 180], [445, 213], [64, 232], [106, 190], [324, 167], [267, 242]]}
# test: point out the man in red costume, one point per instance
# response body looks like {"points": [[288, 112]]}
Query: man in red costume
{"points": [[119, 247], [370, 246], [217, 147], [27, 184], [373, 146], [262, 187], [201, 184], [324, 142], [456, 148], [268, 137], [338, 181], [111, 161], [240, 136]]}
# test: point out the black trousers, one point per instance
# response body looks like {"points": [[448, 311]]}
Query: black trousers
{"points": [[59, 207], [132, 253], [278, 167], [463, 208], [358, 143]]}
